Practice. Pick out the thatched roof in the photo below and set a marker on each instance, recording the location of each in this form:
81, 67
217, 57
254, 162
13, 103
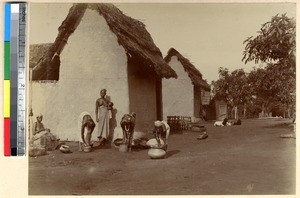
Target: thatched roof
194, 74
36, 52
131, 34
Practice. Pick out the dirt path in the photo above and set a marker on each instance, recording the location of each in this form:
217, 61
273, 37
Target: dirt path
249, 159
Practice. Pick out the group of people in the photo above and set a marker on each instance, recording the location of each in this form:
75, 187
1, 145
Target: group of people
42, 136
103, 114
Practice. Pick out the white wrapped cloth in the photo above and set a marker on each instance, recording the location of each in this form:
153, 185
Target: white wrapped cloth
153, 143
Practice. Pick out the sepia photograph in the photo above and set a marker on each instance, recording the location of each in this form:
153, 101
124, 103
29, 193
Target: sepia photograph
161, 98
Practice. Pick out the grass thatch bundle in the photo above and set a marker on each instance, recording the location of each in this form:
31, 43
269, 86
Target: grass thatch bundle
131, 34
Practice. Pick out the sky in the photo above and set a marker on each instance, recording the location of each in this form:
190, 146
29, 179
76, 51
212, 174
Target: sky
210, 35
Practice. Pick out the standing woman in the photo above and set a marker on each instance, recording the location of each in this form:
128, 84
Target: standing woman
102, 116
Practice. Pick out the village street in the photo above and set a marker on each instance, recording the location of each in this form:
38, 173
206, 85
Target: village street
249, 159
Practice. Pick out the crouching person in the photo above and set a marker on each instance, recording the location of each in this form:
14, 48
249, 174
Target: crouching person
87, 125
161, 131
42, 137
128, 123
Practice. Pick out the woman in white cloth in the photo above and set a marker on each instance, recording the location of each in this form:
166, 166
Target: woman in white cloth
102, 116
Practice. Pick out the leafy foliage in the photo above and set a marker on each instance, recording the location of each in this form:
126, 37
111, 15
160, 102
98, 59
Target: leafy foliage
276, 46
261, 88
276, 41
232, 87
266, 88
273, 84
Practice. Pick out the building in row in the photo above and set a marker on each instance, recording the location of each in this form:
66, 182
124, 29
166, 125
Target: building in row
98, 47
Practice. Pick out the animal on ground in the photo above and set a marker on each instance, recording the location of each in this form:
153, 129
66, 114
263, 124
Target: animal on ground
218, 123
127, 124
225, 122
229, 123
238, 122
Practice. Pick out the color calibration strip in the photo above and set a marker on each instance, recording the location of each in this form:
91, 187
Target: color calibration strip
7, 79
14, 79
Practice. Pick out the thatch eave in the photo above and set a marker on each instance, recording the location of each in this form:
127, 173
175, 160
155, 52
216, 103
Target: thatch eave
194, 74
37, 51
134, 37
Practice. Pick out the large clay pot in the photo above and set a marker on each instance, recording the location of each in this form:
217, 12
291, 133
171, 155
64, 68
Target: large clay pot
155, 153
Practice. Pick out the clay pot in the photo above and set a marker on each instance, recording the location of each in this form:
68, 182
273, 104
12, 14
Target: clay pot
202, 136
118, 141
155, 153
65, 149
87, 149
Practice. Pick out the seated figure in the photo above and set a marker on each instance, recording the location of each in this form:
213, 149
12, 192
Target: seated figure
42, 137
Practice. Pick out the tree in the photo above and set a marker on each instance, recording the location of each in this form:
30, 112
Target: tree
233, 88
276, 46
272, 85
276, 42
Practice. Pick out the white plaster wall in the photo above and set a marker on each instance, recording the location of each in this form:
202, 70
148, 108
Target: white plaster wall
178, 94
91, 60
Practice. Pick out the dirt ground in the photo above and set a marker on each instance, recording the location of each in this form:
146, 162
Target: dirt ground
250, 159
